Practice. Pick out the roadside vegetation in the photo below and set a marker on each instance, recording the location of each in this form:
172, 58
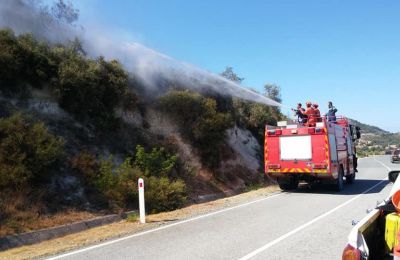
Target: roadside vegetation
91, 163
90, 89
117, 184
200, 122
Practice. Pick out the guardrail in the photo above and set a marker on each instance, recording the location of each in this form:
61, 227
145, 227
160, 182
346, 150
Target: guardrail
34, 237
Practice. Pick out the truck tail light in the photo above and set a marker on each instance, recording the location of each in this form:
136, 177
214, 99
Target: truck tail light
320, 166
351, 253
274, 132
274, 166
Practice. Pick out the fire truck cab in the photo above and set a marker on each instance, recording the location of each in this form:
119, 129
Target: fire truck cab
324, 153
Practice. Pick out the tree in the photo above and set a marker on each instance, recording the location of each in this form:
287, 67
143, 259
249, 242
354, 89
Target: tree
77, 47
64, 12
27, 151
273, 92
232, 76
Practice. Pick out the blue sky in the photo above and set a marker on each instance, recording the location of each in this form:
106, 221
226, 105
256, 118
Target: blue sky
344, 51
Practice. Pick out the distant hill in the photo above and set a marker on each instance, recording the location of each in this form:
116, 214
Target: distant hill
375, 140
368, 128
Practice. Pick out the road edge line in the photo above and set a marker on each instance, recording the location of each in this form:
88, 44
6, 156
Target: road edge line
384, 165
162, 227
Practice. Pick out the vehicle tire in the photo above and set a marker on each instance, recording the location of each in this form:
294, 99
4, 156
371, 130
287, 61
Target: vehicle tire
350, 178
339, 184
288, 184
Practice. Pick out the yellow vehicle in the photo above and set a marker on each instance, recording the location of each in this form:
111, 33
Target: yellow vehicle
377, 235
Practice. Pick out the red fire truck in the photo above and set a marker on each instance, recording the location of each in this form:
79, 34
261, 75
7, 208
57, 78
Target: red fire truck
324, 153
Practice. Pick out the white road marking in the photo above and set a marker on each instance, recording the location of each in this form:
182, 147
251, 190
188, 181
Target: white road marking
163, 227
218, 212
384, 165
294, 231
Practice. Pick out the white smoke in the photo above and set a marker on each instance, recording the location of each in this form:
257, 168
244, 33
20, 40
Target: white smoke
145, 64
31, 16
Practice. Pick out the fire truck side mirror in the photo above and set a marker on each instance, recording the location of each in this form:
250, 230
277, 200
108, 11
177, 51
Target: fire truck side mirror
358, 133
392, 175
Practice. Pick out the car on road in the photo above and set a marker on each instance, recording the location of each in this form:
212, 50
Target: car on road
395, 156
369, 237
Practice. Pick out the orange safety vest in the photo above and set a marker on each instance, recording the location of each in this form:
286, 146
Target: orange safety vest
310, 112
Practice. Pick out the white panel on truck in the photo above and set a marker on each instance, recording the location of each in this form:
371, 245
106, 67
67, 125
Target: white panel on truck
295, 147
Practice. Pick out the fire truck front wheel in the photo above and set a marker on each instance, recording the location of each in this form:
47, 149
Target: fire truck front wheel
350, 178
290, 183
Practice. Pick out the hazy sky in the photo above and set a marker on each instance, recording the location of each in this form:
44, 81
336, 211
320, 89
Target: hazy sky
344, 51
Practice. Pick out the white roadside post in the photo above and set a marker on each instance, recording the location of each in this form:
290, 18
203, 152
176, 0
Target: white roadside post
142, 212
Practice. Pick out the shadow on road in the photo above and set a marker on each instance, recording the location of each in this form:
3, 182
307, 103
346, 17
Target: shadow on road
358, 187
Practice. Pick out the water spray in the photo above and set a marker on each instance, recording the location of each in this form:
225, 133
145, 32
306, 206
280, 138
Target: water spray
144, 63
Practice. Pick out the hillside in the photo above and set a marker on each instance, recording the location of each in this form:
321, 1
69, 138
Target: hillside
76, 132
369, 128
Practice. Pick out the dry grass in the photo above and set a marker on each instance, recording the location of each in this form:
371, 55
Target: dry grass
99, 234
20, 213
33, 222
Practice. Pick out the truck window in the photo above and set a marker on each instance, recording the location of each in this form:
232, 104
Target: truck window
332, 145
295, 147
349, 147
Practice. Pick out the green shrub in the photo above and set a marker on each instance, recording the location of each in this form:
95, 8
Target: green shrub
38, 66
162, 194
118, 183
156, 163
199, 121
25, 62
255, 116
184, 106
11, 61
86, 164
27, 151
92, 89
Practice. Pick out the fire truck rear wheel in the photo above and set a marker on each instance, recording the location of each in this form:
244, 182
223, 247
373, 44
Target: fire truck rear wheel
339, 184
288, 184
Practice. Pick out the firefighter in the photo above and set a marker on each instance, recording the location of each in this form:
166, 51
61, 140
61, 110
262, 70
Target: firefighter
310, 114
299, 112
317, 112
331, 115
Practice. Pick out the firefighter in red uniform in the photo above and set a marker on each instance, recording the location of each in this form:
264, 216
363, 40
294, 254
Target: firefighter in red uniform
317, 112
310, 114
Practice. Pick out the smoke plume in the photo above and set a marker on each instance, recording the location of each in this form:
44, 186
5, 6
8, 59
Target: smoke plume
57, 24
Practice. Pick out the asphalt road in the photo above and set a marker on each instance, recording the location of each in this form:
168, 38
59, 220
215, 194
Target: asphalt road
305, 224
